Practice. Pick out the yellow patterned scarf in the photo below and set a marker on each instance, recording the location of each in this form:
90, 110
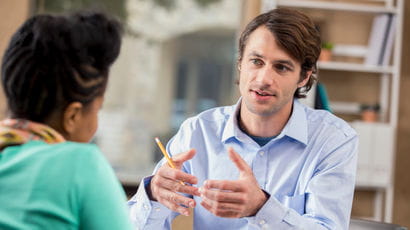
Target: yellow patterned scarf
19, 131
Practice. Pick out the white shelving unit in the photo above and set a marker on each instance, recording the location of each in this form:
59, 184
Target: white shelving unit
354, 67
377, 140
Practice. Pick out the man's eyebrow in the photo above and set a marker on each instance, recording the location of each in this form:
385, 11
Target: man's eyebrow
254, 53
286, 62
281, 61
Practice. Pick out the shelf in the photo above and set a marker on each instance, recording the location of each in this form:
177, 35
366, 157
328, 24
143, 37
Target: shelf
365, 184
376, 151
339, 6
354, 67
345, 107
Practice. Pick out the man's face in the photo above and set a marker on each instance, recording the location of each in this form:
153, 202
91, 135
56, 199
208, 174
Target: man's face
269, 77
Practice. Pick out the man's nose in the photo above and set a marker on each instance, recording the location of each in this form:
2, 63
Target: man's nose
265, 76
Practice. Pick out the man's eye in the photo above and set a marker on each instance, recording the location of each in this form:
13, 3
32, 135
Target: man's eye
282, 68
257, 62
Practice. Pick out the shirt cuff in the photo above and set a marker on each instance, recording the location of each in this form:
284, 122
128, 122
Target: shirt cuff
271, 214
142, 208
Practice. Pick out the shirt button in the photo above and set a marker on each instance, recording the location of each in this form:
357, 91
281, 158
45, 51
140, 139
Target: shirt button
261, 153
146, 207
157, 209
262, 222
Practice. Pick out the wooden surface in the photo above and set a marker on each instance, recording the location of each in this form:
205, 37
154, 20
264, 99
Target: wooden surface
183, 222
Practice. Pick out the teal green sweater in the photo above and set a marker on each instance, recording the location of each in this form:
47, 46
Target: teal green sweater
59, 186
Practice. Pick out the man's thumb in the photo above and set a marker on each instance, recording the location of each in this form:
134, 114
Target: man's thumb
238, 161
180, 158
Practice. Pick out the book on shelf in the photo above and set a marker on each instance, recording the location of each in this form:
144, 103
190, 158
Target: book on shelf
388, 42
381, 40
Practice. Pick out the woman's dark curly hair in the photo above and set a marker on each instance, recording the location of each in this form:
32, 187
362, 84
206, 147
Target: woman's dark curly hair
53, 60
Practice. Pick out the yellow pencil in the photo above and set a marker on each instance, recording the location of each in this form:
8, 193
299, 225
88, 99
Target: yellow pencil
164, 152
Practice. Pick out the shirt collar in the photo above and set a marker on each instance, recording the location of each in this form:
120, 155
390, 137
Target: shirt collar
295, 128
231, 128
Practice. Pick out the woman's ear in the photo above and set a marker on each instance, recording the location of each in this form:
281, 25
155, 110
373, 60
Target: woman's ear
71, 117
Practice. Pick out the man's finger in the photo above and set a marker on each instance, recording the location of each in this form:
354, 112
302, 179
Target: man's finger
177, 175
180, 199
222, 195
238, 161
176, 198
221, 210
187, 189
180, 158
225, 185
175, 186
176, 208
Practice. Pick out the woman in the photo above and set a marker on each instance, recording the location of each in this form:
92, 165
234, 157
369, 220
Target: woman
54, 74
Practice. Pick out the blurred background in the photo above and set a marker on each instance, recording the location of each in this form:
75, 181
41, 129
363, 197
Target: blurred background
179, 58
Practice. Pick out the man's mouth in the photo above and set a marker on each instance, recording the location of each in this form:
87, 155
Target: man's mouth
262, 93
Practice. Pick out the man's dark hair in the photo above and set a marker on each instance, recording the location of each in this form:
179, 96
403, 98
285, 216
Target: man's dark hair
296, 34
54, 60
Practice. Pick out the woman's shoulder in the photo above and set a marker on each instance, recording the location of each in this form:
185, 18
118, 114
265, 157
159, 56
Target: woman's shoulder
75, 146
85, 159
66, 150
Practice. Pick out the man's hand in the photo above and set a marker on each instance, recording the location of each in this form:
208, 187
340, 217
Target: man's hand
165, 185
234, 199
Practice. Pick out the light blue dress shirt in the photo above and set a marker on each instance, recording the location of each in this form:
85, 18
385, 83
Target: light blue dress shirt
308, 170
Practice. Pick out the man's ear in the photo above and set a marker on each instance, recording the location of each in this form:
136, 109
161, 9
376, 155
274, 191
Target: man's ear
306, 79
71, 117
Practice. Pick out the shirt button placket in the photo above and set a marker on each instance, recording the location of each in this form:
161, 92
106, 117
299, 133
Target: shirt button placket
259, 167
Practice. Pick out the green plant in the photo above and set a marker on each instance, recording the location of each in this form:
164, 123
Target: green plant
327, 45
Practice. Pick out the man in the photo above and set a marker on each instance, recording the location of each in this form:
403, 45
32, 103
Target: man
267, 162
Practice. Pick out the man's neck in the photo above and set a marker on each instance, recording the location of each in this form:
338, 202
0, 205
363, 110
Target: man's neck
263, 126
